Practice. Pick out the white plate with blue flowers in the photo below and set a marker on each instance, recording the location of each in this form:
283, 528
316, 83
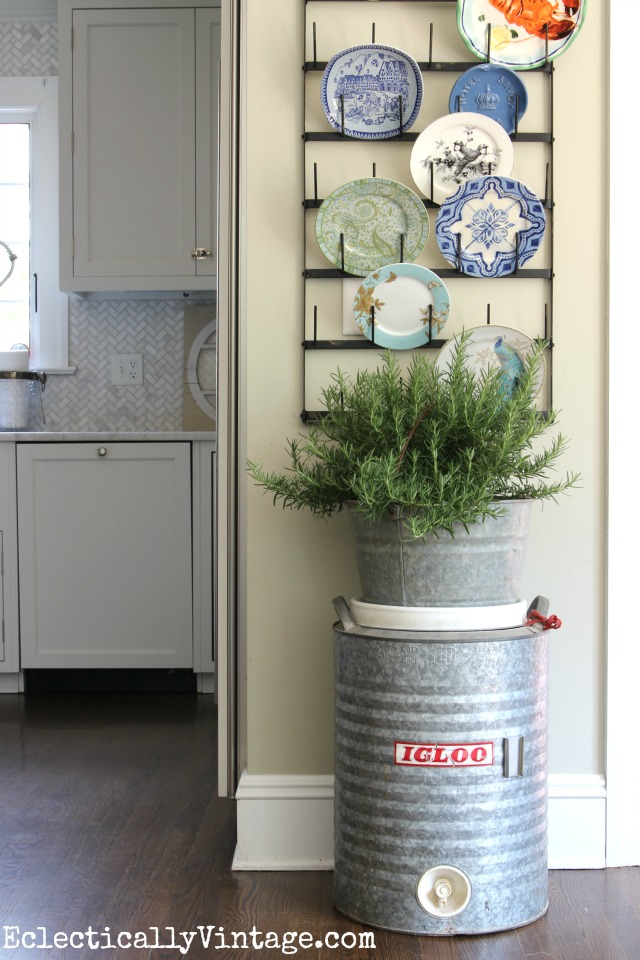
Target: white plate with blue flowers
490, 226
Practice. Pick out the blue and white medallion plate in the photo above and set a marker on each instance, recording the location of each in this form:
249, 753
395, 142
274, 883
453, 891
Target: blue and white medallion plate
371, 222
371, 92
495, 92
488, 224
410, 306
518, 35
456, 148
491, 346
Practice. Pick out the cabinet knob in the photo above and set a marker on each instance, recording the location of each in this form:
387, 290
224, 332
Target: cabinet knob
200, 253
102, 451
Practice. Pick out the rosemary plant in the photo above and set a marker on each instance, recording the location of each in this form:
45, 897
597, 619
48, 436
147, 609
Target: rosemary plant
443, 447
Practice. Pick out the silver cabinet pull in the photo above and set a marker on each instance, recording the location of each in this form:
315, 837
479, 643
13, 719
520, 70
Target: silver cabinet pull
200, 253
102, 451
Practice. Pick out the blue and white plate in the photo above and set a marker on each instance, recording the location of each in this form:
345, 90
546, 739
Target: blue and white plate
410, 306
518, 30
480, 228
371, 92
456, 148
496, 92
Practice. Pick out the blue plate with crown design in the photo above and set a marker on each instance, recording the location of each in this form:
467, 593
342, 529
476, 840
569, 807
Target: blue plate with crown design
496, 92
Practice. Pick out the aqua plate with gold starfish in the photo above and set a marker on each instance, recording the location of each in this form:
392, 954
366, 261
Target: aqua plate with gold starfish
365, 224
401, 306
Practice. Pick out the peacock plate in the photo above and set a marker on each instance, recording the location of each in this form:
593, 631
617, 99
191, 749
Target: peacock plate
369, 223
490, 226
408, 304
490, 346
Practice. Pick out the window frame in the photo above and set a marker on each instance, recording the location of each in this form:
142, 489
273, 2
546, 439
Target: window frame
37, 97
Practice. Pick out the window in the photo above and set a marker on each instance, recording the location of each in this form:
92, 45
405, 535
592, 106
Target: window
15, 231
32, 310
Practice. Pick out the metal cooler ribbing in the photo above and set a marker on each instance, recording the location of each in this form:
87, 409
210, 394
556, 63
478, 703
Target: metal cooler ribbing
440, 777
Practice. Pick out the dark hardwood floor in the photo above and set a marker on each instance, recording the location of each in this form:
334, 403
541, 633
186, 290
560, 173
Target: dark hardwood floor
109, 819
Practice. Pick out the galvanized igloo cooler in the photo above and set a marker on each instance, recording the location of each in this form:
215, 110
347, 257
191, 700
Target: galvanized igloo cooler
440, 777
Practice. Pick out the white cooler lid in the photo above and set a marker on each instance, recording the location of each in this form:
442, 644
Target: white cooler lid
387, 617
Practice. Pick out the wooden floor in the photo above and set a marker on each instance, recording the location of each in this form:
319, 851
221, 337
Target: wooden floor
109, 819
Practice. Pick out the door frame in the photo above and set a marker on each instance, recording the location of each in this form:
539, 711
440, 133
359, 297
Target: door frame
623, 648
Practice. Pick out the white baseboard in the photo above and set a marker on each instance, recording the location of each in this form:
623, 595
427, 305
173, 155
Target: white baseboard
11, 683
577, 818
286, 822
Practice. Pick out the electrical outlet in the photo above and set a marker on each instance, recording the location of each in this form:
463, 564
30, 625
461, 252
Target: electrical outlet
126, 369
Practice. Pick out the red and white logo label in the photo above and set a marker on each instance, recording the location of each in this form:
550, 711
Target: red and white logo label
443, 754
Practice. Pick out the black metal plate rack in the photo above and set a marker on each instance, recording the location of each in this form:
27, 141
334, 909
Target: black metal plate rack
313, 340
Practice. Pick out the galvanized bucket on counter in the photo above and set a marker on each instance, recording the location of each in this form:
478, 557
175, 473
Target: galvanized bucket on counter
440, 777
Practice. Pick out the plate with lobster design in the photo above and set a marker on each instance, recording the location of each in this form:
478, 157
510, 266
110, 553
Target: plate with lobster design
401, 306
457, 148
490, 226
523, 34
491, 347
371, 92
368, 223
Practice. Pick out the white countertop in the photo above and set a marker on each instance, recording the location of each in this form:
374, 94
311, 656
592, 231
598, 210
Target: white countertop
104, 436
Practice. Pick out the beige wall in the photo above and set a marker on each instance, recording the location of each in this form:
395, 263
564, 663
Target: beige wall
294, 564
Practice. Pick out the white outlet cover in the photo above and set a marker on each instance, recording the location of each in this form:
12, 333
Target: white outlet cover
126, 369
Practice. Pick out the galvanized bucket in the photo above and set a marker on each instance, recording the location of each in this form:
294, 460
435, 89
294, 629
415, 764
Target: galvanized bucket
476, 567
440, 777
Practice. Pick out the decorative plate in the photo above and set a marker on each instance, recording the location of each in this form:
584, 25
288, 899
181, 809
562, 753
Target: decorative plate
456, 148
489, 224
495, 92
410, 305
519, 30
381, 221
491, 346
362, 88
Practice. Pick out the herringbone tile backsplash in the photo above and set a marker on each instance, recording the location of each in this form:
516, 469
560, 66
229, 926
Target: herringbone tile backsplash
97, 329
87, 400
28, 49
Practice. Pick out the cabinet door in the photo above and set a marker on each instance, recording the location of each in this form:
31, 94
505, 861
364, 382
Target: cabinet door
105, 555
133, 146
207, 133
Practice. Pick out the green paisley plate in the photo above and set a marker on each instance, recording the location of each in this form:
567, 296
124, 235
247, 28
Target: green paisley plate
366, 224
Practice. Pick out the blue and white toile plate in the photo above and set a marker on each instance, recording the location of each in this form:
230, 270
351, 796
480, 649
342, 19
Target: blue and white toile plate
369, 81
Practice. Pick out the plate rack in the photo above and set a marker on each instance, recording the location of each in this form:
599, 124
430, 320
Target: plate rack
314, 335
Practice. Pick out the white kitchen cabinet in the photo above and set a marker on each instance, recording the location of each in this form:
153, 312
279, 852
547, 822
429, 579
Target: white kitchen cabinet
105, 557
9, 638
138, 145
